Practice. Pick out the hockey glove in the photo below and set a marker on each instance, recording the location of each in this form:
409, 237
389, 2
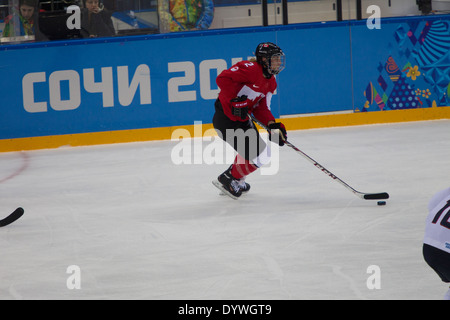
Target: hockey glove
239, 107
277, 129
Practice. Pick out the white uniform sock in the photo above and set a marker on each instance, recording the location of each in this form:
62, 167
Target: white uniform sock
447, 295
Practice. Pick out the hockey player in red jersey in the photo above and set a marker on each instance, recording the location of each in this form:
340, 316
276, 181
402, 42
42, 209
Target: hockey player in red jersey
247, 87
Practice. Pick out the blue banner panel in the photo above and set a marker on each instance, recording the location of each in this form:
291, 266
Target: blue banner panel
124, 83
403, 65
317, 77
102, 86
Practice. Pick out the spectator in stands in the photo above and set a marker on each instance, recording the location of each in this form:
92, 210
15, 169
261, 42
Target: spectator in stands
28, 21
96, 20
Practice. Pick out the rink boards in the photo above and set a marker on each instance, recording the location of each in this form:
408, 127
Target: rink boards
144, 87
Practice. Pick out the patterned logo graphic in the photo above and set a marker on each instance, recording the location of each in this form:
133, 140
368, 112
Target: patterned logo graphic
418, 76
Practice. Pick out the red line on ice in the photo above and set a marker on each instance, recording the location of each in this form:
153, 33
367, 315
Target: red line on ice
25, 164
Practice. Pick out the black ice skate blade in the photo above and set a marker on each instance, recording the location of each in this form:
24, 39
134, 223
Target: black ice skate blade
219, 186
223, 193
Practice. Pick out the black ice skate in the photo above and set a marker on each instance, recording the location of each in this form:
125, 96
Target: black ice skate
228, 185
245, 187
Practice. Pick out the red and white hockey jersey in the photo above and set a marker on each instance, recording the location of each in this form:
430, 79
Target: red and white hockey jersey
437, 232
246, 78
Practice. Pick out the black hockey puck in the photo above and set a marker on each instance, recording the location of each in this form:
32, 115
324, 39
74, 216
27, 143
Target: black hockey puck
381, 203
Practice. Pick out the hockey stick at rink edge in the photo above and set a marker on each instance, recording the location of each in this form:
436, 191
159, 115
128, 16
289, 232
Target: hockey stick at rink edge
16, 214
365, 196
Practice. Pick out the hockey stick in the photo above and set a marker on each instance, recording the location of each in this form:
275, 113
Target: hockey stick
12, 217
365, 196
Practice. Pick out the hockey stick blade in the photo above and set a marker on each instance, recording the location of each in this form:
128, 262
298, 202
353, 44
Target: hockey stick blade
12, 217
376, 196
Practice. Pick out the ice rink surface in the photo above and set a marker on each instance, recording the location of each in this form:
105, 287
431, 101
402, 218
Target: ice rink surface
140, 226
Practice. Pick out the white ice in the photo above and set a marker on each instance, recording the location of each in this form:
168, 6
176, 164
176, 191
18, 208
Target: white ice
139, 226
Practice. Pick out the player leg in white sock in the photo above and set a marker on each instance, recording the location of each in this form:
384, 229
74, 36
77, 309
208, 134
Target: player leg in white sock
447, 295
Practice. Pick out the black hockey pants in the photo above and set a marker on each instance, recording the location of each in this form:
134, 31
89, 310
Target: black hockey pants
438, 260
242, 136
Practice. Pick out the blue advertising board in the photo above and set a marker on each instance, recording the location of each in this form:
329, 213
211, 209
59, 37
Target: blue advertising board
154, 81
403, 65
102, 86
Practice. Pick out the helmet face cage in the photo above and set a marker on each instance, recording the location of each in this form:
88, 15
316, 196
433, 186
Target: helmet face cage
274, 59
276, 63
